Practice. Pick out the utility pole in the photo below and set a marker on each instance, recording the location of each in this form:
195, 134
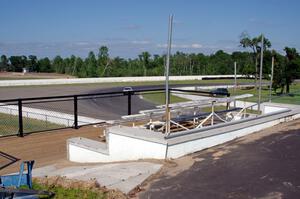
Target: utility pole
260, 71
271, 80
168, 124
235, 82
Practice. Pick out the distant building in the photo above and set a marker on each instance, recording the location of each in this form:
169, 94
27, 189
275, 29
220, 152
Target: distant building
25, 70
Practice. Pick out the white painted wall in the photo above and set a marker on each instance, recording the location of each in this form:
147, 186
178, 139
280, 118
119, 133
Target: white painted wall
120, 148
182, 149
83, 155
106, 80
127, 148
46, 115
271, 109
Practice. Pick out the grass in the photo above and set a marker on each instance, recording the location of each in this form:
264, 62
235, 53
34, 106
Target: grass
287, 99
9, 125
293, 98
70, 193
18, 78
159, 98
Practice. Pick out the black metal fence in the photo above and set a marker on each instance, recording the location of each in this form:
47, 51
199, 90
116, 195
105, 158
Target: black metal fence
28, 115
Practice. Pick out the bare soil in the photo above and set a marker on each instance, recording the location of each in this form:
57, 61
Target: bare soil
20, 75
45, 148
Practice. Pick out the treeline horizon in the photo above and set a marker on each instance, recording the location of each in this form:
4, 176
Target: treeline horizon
100, 64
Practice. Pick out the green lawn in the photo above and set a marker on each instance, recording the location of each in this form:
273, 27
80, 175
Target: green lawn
159, 98
294, 98
288, 99
9, 125
71, 193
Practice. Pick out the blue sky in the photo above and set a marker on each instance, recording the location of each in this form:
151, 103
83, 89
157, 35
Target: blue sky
128, 27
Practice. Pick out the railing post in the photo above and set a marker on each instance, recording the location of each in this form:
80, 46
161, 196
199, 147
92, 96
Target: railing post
75, 113
129, 102
228, 103
20, 133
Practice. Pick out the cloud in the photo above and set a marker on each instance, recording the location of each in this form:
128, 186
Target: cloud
131, 27
181, 46
140, 42
178, 22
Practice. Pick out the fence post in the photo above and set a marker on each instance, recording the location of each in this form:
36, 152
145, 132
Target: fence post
20, 133
75, 113
129, 102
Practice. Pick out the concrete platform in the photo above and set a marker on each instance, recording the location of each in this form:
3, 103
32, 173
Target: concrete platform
146, 144
122, 176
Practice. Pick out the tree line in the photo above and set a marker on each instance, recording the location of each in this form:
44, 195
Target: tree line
100, 64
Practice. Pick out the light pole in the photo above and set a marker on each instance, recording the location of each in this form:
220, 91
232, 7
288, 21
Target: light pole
271, 80
260, 71
167, 131
235, 82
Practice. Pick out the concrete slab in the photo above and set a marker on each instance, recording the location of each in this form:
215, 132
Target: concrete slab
122, 176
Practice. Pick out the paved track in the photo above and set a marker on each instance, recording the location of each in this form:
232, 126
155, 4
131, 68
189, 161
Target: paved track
101, 108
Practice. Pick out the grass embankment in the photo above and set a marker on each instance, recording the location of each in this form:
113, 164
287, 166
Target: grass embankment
70, 193
9, 124
293, 98
159, 98
74, 189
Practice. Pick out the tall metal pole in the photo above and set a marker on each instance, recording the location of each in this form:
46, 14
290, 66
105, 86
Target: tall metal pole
235, 82
260, 71
271, 80
167, 75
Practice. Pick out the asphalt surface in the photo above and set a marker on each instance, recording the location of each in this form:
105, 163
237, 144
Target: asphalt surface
267, 168
108, 108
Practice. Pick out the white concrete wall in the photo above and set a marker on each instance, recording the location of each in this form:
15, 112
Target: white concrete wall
123, 147
182, 149
46, 115
271, 109
127, 148
4, 83
120, 148
83, 155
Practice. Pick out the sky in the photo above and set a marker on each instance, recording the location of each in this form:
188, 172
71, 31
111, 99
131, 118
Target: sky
128, 27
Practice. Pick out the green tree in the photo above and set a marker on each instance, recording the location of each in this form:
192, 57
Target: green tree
17, 63
278, 77
292, 67
32, 63
44, 65
144, 58
3, 63
58, 64
91, 63
79, 69
255, 45
103, 61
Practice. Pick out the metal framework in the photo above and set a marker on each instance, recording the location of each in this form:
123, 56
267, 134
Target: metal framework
191, 107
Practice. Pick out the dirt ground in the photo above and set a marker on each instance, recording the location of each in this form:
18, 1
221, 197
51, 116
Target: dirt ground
45, 148
19, 75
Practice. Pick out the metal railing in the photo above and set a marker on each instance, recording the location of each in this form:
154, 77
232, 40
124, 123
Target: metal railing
37, 114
